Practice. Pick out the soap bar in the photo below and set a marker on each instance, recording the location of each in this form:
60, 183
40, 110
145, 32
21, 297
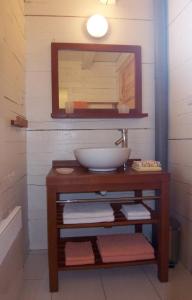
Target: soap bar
64, 171
147, 169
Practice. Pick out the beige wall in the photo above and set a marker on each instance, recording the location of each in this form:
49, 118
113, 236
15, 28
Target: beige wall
180, 120
12, 140
131, 22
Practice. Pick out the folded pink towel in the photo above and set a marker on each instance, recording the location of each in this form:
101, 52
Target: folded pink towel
107, 259
74, 262
79, 253
123, 245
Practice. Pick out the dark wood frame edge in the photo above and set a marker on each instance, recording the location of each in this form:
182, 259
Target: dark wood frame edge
58, 113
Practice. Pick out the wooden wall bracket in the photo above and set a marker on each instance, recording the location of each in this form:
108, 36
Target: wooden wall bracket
19, 122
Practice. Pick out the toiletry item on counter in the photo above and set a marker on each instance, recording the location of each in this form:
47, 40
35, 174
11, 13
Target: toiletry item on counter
124, 247
69, 107
79, 253
123, 108
75, 213
147, 165
64, 171
103, 193
80, 104
135, 212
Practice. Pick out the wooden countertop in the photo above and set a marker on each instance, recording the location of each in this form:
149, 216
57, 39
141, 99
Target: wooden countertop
82, 179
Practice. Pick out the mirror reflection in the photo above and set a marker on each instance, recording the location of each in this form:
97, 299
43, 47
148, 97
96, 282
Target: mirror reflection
96, 80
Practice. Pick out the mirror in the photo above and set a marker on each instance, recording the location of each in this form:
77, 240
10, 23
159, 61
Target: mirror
96, 81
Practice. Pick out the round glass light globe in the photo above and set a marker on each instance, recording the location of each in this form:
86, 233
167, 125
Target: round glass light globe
97, 26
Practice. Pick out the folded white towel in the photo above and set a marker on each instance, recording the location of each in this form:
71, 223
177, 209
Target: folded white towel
135, 210
88, 220
87, 210
137, 217
134, 215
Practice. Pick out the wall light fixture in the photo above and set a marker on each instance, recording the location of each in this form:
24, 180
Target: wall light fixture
97, 26
108, 1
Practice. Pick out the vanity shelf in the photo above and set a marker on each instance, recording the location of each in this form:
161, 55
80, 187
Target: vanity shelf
83, 181
120, 220
98, 260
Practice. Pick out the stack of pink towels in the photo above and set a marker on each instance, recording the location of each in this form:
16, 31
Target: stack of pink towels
79, 253
124, 247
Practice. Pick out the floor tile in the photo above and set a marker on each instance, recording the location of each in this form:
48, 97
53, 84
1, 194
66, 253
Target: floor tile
135, 283
127, 283
179, 286
36, 266
36, 290
82, 285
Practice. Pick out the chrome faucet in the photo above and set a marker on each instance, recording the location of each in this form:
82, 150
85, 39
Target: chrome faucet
123, 140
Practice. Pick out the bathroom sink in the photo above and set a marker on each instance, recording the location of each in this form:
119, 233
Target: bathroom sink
102, 159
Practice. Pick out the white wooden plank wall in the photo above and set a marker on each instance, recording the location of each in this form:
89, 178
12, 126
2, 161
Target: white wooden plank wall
13, 179
180, 116
131, 22
12, 140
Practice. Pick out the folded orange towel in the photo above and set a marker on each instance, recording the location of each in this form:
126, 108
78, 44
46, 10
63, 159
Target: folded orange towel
124, 245
125, 258
79, 253
74, 262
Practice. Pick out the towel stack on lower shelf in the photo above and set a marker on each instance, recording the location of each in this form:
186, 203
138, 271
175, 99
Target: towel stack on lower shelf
146, 165
79, 253
135, 212
81, 213
124, 247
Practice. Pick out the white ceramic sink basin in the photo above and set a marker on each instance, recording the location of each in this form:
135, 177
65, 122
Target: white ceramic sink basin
102, 159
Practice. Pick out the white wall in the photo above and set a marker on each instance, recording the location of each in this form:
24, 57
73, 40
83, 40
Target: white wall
180, 119
13, 189
131, 22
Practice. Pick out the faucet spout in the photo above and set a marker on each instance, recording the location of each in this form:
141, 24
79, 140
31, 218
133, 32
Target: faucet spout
123, 140
119, 141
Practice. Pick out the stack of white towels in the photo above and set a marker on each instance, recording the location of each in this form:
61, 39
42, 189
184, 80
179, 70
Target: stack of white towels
135, 212
75, 213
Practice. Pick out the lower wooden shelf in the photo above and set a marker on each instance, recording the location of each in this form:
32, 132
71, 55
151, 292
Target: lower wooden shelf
98, 260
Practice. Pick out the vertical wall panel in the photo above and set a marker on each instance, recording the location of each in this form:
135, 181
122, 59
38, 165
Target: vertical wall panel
13, 187
180, 120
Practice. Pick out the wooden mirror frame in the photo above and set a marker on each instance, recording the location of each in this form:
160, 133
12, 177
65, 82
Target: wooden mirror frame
96, 113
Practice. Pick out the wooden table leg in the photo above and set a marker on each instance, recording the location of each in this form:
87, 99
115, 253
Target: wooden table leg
163, 233
138, 227
155, 226
52, 239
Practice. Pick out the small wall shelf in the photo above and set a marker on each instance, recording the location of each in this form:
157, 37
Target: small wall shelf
19, 122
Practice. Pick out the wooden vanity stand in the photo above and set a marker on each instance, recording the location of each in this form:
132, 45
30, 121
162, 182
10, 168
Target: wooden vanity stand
81, 180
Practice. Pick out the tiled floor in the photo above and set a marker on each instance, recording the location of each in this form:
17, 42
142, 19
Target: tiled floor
134, 283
